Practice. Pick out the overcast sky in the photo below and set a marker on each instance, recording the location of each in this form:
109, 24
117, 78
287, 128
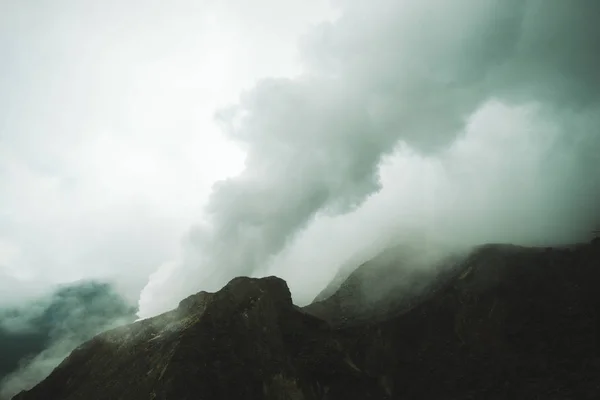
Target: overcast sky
338, 125
108, 147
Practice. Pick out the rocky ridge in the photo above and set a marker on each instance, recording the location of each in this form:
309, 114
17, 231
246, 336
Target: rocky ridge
504, 322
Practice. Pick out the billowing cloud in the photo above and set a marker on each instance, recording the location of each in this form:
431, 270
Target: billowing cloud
453, 82
108, 148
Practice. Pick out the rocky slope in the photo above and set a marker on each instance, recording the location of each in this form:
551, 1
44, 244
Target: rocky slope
504, 322
509, 322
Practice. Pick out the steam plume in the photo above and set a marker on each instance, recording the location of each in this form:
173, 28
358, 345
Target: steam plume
436, 78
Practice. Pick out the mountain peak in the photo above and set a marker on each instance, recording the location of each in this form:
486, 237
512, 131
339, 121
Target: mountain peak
246, 341
501, 322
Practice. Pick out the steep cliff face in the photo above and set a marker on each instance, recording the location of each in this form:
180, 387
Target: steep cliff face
504, 322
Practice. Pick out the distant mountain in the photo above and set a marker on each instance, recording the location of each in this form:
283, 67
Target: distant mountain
503, 322
36, 336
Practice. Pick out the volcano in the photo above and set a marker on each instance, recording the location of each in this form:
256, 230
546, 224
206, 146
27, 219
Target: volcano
500, 322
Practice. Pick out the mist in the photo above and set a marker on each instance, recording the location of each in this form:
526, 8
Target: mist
108, 148
37, 335
437, 124
450, 124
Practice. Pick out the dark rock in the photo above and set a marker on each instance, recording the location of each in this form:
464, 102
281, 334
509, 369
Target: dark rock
247, 341
511, 322
506, 322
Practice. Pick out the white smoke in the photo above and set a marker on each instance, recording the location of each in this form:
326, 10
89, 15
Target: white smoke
494, 101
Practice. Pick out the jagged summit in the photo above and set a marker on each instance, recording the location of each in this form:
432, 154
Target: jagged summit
502, 322
246, 341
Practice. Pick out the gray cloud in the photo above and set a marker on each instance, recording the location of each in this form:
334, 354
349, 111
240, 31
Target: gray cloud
413, 72
108, 149
509, 178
